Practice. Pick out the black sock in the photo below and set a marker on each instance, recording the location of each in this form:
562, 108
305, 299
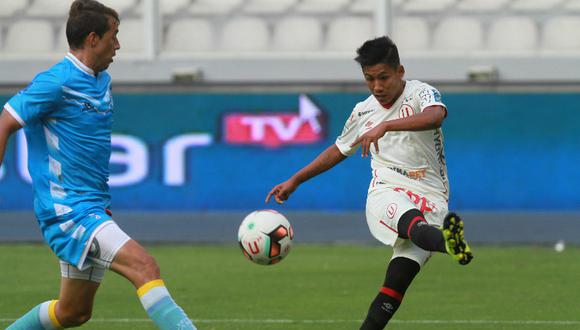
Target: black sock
413, 226
400, 273
382, 309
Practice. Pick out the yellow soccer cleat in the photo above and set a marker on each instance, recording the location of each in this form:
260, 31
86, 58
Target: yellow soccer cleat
455, 243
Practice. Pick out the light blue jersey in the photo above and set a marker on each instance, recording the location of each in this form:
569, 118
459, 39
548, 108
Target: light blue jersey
67, 113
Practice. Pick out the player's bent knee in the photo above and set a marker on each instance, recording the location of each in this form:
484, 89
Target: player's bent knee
143, 269
150, 268
76, 318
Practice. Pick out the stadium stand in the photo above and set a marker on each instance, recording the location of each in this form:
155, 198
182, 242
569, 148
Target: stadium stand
199, 32
171, 7
572, 5
245, 34
297, 34
345, 33
50, 8
9, 8
362, 6
27, 38
424, 6
534, 5
320, 6
131, 36
411, 34
513, 33
561, 33
267, 6
478, 6
458, 34
213, 7
277, 30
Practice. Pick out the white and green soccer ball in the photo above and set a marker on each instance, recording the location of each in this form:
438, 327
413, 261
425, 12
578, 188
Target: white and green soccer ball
265, 237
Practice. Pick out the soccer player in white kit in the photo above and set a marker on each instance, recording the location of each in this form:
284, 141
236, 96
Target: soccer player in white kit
399, 126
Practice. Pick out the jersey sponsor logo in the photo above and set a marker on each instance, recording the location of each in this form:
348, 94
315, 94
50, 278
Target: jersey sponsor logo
391, 210
422, 203
304, 127
405, 111
411, 174
87, 102
362, 113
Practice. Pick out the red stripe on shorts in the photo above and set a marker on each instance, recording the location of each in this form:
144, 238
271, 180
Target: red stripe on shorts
385, 224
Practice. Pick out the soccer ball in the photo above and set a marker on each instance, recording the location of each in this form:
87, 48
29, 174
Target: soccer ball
265, 237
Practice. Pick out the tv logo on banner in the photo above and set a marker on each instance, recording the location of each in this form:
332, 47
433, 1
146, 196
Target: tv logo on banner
275, 129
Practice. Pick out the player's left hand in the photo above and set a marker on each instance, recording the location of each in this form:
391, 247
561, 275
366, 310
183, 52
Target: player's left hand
369, 138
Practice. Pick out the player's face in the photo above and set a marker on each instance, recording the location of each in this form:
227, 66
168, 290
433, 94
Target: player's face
384, 82
107, 45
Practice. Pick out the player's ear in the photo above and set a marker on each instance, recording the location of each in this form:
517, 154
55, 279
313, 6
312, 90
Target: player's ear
401, 71
92, 39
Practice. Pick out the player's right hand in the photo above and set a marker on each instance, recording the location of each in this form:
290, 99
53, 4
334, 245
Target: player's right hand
282, 191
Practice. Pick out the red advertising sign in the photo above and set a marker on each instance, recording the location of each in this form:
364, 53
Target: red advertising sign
275, 129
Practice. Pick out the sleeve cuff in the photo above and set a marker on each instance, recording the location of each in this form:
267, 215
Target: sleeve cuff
14, 114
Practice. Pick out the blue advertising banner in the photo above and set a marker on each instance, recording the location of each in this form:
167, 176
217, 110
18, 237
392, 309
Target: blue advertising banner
200, 152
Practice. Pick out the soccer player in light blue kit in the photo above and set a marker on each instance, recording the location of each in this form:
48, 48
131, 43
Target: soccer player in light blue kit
66, 113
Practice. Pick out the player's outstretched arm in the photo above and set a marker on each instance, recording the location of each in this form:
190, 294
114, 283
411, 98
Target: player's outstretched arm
325, 161
8, 125
432, 117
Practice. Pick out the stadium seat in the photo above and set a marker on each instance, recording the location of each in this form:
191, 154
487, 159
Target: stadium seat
534, 5
213, 7
245, 34
29, 37
348, 33
410, 34
131, 36
572, 6
120, 6
169, 7
363, 6
416, 6
297, 34
458, 34
320, 6
481, 6
561, 34
513, 33
49, 8
189, 36
267, 6
9, 8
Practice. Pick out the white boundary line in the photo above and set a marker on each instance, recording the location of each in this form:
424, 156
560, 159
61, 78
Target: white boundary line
288, 321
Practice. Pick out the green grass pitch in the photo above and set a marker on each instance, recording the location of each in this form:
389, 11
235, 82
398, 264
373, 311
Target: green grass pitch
320, 287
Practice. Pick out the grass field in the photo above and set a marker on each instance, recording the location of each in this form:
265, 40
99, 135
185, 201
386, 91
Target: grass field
320, 287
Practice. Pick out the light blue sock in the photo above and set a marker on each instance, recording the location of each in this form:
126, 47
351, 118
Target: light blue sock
41, 317
161, 308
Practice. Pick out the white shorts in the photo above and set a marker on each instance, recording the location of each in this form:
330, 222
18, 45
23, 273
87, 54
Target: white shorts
108, 240
385, 206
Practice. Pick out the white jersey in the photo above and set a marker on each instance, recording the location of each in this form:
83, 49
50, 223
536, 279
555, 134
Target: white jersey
407, 159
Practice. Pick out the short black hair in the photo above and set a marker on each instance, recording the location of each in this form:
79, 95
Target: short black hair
379, 50
86, 16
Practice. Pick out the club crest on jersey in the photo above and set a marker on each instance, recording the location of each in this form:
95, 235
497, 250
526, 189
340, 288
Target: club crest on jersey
405, 111
369, 124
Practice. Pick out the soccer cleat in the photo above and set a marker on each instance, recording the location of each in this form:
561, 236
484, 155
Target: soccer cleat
455, 243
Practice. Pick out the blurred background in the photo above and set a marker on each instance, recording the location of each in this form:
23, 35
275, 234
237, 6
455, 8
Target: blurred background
218, 100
